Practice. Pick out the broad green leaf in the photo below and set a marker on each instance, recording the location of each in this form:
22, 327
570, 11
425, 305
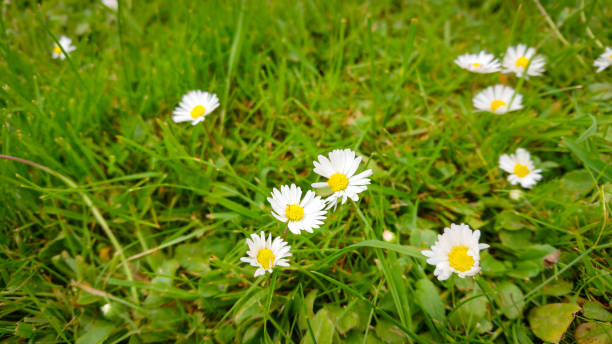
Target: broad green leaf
309, 305
549, 322
536, 252
491, 266
96, 331
593, 333
594, 310
344, 319
526, 269
471, 312
577, 182
510, 300
509, 220
558, 288
322, 328
355, 337
390, 333
427, 297
516, 240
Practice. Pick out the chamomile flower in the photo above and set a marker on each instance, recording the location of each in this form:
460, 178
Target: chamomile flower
112, 4
604, 60
388, 236
523, 60
65, 43
457, 250
340, 170
478, 63
265, 254
521, 168
300, 214
498, 99
195, 106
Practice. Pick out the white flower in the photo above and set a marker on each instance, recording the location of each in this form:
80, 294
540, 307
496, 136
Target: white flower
194, 107
515, 195
498, 99
65, 43
301, 214
112, 4
340, 168
478, 63
521, 168
388, 235
457, 250
604, 60
265, 254
519, 58
106, 308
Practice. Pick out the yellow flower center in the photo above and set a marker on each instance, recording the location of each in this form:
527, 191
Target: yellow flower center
521, 170
459, 259
496, 104
522, 62
337, 182
57, 49
198, 111
265, 257
294, 212
610, 56
476, 64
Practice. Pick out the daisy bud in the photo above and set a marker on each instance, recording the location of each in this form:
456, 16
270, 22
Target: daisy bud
388, 236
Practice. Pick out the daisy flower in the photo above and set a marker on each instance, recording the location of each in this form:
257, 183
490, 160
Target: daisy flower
498, 99
194, 107
604, 60
457, 250
112, 4
300, 214
521, 59
478, 63
521, 168
65, 43
340, 170
388, 236
265, 254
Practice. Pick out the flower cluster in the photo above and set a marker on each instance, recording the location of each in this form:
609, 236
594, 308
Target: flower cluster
519, 60
457, 250
500, 99
307, 213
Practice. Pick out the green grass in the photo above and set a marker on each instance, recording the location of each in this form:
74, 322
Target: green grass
149, 216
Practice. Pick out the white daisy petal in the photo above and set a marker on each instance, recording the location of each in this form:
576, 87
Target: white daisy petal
340, 170
523, 61
300, 214
498, 99
195, 106
479, 63
604, 60
66, 44
265, 254
521, 168
456, 250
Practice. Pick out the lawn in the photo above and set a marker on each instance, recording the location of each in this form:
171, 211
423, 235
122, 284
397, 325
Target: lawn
119, 225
